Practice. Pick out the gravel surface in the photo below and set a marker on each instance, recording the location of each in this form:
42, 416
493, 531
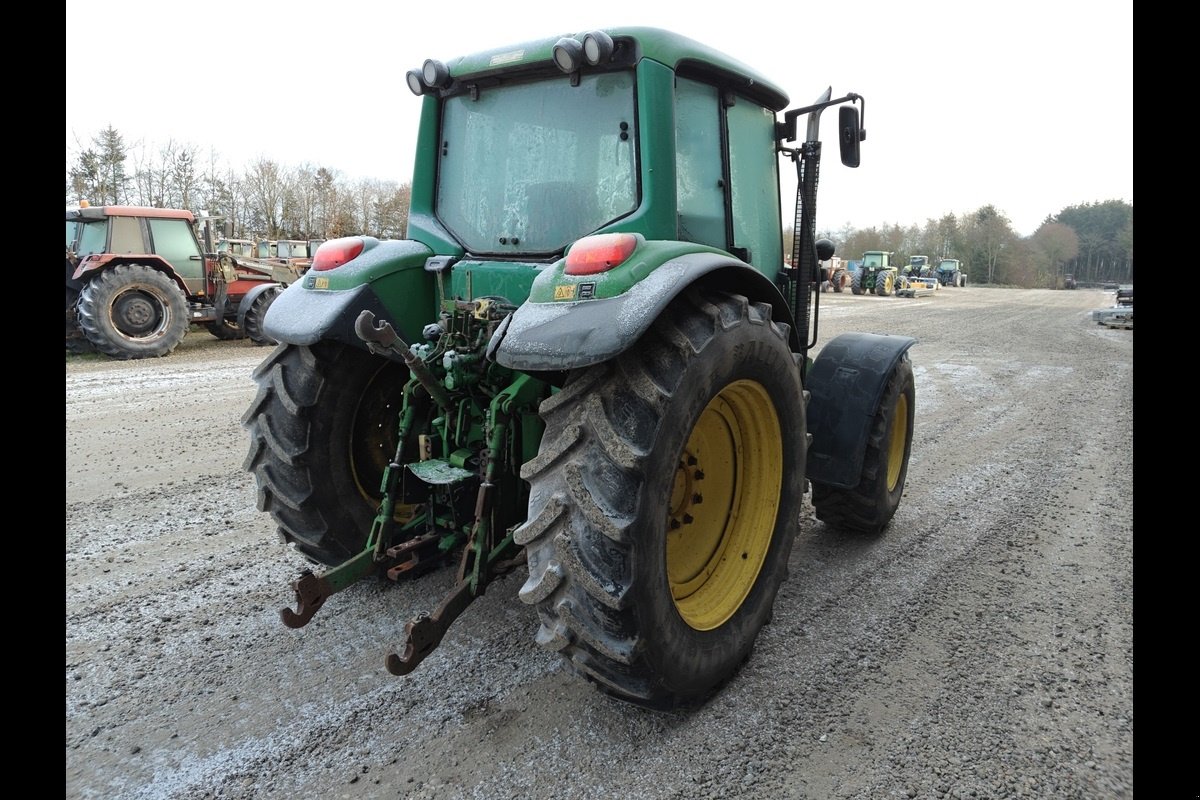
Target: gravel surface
982, 647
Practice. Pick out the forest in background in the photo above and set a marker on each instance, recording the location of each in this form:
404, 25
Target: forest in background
1092, 240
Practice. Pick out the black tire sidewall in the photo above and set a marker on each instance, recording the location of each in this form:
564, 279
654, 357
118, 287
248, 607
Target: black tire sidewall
102, 291
691, 662
312, 491
336, 487
253, 321
904, 385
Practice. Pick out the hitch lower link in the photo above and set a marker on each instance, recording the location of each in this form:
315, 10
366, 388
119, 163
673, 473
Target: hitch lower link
416, 554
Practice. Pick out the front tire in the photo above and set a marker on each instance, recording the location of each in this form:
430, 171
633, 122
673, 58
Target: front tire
133, 311
870, 506
664, 502
839, 280
885, 284
856, 280
323, 427
226, 330
253, 321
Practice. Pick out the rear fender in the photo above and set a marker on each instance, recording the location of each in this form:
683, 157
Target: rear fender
387, 278
90, 266
249, 297
551, 336
847, 381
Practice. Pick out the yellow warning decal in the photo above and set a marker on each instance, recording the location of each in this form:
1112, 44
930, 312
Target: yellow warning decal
321, 283
564, 292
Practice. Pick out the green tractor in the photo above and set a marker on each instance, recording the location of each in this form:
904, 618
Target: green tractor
951, 272
918, 267
875, 275
587, 362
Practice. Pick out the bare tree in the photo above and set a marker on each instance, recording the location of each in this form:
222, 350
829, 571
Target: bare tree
947, 237
988, 233
181, 174
264, 187
391, 209
363, 199
305, 193
1056, 243
326, 199
99, 175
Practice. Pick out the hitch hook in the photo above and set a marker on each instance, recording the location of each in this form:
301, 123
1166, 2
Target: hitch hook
424, 633
311, 594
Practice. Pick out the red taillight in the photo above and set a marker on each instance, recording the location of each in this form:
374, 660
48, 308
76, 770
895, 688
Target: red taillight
336, 252
600, 253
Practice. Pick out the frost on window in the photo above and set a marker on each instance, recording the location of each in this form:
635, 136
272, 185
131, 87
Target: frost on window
530, 168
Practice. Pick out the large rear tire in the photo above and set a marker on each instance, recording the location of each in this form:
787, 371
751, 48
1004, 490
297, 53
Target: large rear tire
856, 282
664, 502
77, 343
870, 506
322, 429
133, 311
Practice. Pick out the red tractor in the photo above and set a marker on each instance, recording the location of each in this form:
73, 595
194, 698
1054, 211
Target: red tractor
137, 278
834, 275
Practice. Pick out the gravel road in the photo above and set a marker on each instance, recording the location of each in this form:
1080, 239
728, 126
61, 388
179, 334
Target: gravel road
982, 647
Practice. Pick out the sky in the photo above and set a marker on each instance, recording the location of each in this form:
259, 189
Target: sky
1023, 105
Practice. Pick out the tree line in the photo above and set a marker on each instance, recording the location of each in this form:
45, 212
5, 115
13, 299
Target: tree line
266, 200
1092, 241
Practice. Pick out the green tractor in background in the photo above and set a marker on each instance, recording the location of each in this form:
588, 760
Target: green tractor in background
951, 272
585, 363
875, 275
918, 267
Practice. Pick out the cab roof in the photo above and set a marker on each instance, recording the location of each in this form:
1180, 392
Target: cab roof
100, 212
673, 50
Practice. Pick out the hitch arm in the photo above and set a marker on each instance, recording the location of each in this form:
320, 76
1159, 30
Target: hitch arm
312, 591
382, 339
424, 634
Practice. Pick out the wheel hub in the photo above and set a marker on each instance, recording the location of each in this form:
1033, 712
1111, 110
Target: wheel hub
723, 505
136, 314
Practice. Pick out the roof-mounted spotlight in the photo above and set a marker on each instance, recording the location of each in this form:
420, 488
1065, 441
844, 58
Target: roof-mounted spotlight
597, 47
435, 74
568, 54
413, 78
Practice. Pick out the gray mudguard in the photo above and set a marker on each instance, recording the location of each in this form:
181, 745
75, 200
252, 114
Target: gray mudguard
569, 335
325, 304
248, 300
847, 381
304, 317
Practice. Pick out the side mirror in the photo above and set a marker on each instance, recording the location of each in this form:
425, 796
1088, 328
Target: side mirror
849, 135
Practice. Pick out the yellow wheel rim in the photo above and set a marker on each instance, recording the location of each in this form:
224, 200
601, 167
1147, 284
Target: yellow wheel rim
895, 445
724, 502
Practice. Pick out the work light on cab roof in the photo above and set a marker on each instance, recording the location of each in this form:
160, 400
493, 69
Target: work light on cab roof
568, 53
